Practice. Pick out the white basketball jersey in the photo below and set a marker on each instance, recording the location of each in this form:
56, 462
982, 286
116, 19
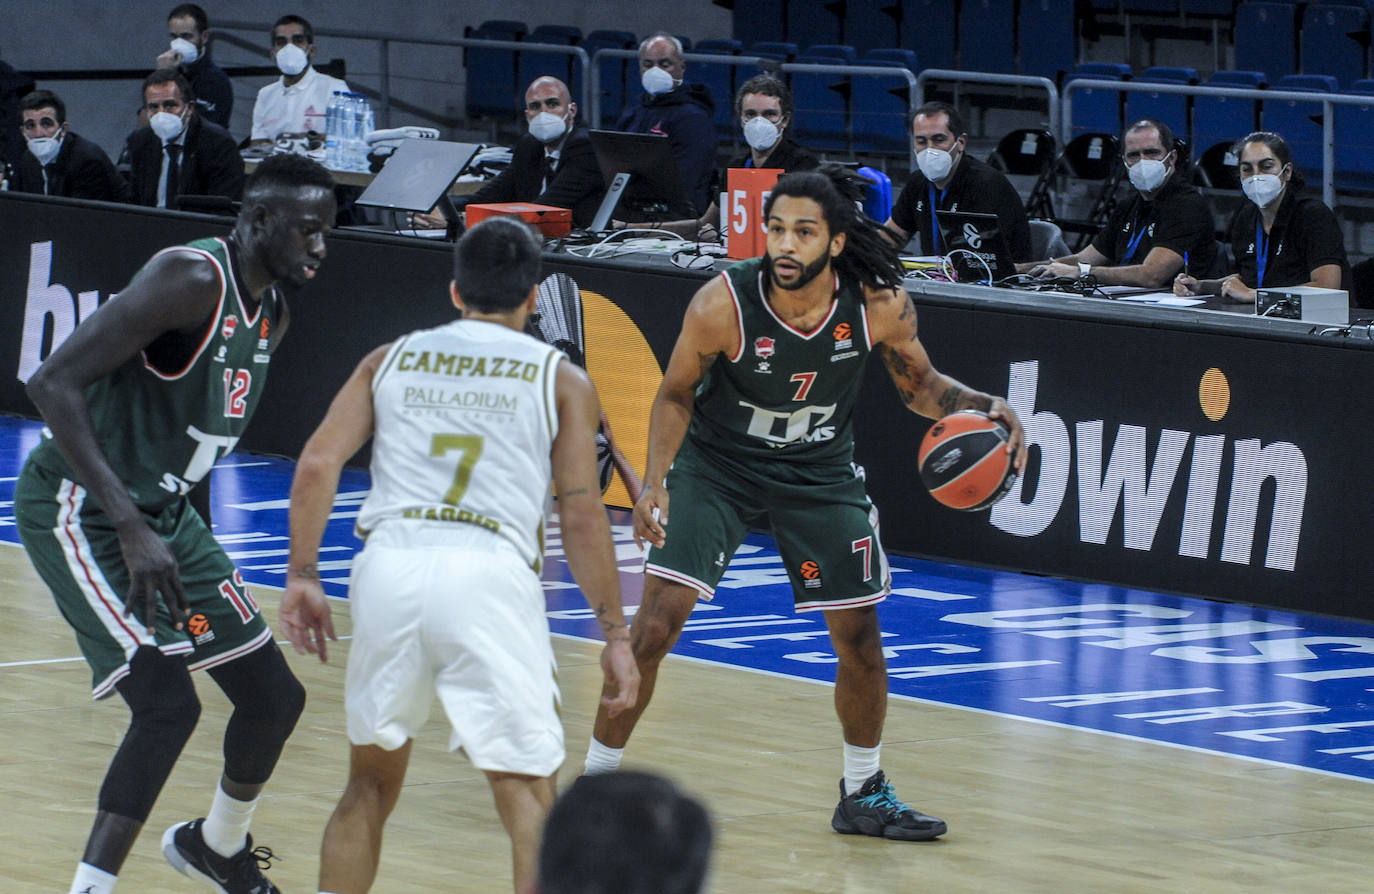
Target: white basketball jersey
465, 420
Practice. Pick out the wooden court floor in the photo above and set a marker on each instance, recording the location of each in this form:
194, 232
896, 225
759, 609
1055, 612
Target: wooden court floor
1031, 808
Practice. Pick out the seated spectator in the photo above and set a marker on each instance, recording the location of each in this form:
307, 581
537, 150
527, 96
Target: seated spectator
189, 29
61, 162
682, 111
178, 153
1281, 237
624, 833
764, 107
296, 102
1165, 227
949, 179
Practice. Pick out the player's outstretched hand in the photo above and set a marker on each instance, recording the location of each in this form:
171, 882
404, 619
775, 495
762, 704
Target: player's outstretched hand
1017, 443
621, 689
306, 618
152, 571
651, 515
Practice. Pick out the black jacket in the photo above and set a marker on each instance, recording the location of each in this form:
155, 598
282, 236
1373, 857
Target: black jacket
210, 163
686, 114
81, 170
577, 183
213, 89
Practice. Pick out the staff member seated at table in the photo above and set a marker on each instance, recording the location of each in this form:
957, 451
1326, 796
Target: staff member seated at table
949, 179
178, 152
59, 161
1282, 238
764, 107
1165, 229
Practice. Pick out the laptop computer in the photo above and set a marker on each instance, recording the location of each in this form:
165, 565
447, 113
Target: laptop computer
417, 177
979, 234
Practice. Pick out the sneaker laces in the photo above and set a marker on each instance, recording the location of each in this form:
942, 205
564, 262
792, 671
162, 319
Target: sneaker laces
249, 864
884, 798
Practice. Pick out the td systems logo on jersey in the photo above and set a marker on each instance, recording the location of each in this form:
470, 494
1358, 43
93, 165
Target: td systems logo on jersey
1143, 487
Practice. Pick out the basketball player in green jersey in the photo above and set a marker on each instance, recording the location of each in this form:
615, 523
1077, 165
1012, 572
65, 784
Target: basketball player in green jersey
140, 401
754, 416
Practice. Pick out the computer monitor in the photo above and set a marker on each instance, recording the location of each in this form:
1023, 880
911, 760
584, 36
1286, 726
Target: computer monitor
643, 181
417, 175
983, 236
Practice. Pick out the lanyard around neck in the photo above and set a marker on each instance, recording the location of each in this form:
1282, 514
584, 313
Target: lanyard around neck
1137, 233
935, 221
1261, 250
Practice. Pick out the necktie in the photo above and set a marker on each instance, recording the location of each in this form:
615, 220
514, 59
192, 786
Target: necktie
549, 164
173, 151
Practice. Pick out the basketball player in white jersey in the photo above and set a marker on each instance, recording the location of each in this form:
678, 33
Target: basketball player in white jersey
469, 422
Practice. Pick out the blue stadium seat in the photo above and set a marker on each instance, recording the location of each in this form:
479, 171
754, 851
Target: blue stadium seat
871, 24
837, 51
1224, 119
492, 86
1266, 38
813, 21
1334, 41
721, 79
1222, 9
1300, 122
1048, 34
774, 49
1097, 111
822, 106
987, 32
611, 73
534, 65
1354, 153
1171, 108
925, 29
1156, 7
878, 197
755, 20
881, 105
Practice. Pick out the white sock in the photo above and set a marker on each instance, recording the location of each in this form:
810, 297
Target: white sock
225, 828
602, 759
90, 880
859, 765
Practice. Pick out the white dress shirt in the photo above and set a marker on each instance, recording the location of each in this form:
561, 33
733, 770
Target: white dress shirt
295, 109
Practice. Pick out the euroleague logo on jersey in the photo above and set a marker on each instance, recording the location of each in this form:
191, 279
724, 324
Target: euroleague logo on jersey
810, 574
199, 627
844, 336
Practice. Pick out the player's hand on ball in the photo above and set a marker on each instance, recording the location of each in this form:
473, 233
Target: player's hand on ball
1017, 443
651, 516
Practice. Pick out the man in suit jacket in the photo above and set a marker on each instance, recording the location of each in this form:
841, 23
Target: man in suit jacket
59, 162
178, 152
552, 164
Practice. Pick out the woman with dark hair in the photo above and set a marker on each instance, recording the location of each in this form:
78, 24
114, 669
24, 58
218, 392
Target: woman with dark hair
1281, 237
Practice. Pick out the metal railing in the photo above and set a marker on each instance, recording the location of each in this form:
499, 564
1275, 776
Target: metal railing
385, 40
1328, 103
979, 77
764, 63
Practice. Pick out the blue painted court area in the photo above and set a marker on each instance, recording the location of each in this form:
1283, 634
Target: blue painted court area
1269, 685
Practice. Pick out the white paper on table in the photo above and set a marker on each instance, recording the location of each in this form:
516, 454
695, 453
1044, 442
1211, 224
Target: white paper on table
1168, 299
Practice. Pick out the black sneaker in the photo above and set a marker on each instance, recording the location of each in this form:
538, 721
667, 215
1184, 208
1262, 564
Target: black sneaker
185, 848
875, 810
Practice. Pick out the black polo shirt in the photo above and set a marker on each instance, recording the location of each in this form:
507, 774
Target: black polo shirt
786, 155
1177, 218
1305, 236
974, 187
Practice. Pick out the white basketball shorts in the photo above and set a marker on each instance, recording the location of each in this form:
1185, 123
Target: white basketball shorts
459, 614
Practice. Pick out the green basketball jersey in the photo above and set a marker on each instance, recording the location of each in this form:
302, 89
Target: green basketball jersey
786, 394
163, 429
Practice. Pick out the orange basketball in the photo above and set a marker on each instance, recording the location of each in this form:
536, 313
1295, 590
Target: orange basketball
964, 461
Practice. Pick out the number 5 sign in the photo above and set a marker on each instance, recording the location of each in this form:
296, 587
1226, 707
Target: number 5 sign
746, 191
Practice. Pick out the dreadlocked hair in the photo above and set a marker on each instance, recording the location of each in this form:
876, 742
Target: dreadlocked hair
867, 256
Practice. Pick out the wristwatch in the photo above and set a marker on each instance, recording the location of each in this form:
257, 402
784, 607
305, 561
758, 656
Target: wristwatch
1084, 269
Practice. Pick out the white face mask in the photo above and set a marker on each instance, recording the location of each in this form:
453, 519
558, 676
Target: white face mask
547, 127
291, 60
760, 133
656, 81
934, 163
45, 149
189, 51
1262, 188
1147, 175
166, 125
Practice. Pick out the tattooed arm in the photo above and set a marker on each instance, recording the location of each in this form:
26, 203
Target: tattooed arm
924, 389
709, 330
587, 533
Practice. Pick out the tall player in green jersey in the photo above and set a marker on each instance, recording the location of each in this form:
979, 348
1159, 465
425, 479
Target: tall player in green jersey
754, 416
140, 401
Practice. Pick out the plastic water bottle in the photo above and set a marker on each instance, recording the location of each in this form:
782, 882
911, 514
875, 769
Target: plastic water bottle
367, 123
349, 134
333, 131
